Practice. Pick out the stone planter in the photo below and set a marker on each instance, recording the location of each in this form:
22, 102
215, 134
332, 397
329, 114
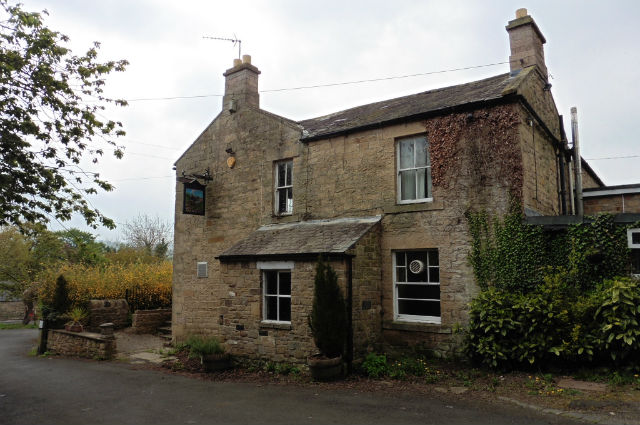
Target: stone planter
73, 327
216, 362
324, 369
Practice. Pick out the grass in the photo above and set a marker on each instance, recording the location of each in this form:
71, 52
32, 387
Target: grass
17, 326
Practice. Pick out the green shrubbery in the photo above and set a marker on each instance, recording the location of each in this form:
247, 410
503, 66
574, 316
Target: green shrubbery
551, 298
378, 366
555, 324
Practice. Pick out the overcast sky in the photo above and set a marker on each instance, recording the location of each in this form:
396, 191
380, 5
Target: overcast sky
591, 54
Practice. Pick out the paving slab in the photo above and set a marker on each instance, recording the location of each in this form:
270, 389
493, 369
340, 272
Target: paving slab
574, 384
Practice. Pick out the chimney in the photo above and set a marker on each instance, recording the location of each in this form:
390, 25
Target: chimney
526, 42
241, 85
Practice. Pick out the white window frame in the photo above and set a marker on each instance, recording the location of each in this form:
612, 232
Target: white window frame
634, 247
427, 167
278, 188
264, 272
413, 318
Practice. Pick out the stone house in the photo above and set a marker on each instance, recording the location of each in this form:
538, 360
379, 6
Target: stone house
379, 190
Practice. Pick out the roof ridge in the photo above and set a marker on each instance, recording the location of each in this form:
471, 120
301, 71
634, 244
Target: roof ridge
499, 76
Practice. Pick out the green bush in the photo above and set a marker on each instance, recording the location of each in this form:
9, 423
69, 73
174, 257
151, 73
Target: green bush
555, 324
328, 319
200, 346
375, 365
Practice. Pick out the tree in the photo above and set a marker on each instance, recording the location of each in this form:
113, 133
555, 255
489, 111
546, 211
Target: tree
50, 122
328, 319
149, 233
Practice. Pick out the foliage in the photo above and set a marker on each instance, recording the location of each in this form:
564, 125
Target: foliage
77, 314
80, 247
49, 122
598, 251
328, 319
111, 281
14, 257
60, 302
556, 324
375, 365
281, 368
200, 346
151, 234
509, 254
617, 319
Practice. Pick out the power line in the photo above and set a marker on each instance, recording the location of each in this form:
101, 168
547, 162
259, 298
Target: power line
141, 178
344, 83
613, 157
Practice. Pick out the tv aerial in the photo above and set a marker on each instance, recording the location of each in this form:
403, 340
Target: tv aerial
234, 40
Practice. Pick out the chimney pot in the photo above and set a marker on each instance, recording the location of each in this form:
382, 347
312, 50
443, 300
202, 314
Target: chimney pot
521, 13
237, 62
246, 58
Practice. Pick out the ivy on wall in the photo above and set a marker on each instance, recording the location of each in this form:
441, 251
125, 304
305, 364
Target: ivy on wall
507, 253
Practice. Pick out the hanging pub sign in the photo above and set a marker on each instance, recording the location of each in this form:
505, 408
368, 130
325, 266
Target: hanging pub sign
194, 196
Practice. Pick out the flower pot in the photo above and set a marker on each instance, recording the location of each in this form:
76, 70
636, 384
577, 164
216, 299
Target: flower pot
73, 327
216, 362
325, 369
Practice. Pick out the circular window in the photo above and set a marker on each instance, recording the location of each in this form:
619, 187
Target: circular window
416, 266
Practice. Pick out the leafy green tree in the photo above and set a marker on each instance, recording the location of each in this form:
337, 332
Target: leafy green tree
50, 122
81, 247
14, 256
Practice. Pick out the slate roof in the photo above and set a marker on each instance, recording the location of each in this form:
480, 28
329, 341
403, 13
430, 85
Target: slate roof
302, 238
407, 106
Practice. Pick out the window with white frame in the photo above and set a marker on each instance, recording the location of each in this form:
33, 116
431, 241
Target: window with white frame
414, 170
276, 306
416, 276
284, 187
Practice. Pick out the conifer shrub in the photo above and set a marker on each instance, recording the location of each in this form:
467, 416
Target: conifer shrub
328, 319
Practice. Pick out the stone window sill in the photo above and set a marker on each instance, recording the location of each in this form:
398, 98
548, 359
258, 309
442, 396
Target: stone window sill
269, 325
417, 327
407, 208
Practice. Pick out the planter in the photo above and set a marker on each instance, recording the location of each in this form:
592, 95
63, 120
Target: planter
73, 327
324, 369
217, 362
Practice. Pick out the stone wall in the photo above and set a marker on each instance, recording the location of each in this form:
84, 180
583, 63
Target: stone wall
240, 322
11, 310
84, 344
148, 321
350, 175
108, 311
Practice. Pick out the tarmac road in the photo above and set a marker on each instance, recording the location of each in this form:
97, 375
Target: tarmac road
38, 390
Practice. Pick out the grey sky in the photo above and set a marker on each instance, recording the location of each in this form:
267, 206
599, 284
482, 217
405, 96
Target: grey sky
591, 53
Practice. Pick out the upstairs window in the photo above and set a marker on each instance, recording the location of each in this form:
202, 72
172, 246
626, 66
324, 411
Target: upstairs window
414, 170
284, 187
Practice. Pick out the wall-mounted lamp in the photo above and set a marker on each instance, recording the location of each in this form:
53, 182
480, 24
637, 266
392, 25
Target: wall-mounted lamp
231, 161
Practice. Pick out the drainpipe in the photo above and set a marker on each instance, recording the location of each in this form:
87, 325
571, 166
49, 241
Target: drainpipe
578, 159
561, 165
349, 314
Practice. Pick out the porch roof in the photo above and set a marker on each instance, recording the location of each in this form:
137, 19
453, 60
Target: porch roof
305, 238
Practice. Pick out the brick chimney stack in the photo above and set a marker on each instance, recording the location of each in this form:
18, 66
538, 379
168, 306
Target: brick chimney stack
241, 85
526, 42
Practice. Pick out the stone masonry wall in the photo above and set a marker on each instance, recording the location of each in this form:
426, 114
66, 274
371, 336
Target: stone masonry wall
11, 310
238, 201
614, 204
241, 326
367, 287
148, 321
345, 176
108, 311
85, 344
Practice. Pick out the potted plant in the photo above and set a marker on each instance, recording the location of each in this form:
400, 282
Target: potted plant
76, 315
210, 351
328, 323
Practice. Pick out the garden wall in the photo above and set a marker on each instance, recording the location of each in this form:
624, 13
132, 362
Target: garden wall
148, 321
11, 310
108, 311
85, 344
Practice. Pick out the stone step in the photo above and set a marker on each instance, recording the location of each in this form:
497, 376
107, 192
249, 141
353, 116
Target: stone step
166, 337
165, 330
